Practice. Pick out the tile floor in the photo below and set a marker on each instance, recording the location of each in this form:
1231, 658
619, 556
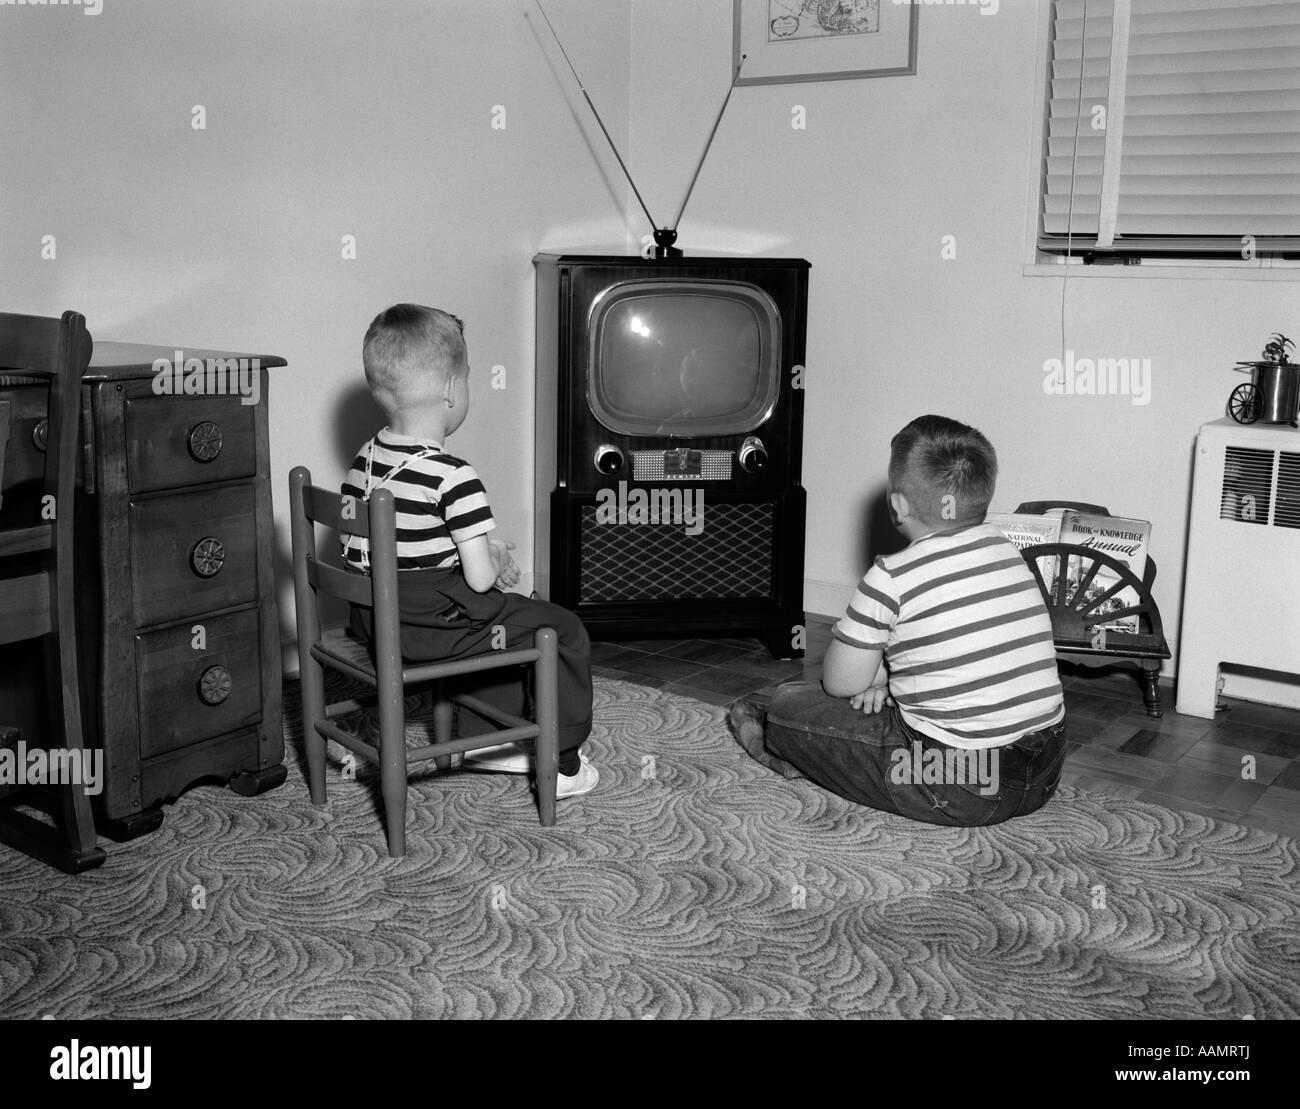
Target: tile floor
1182, 762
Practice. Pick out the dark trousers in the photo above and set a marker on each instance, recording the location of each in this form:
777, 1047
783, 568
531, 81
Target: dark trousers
878, 761
443, 619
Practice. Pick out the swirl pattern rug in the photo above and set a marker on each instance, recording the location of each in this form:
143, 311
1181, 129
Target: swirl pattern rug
691, 883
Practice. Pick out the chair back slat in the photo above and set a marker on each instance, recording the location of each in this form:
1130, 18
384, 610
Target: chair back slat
29, 344
346, 585
330, 510
25, 604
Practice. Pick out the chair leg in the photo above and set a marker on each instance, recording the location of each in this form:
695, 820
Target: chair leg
312, 689
548, 751
443, 708
393, 766
78, 822
1151, 689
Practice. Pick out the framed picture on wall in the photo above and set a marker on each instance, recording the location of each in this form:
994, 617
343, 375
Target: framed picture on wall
823, 40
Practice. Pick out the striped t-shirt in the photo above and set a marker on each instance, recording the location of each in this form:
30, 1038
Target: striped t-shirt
440, 501
966, 635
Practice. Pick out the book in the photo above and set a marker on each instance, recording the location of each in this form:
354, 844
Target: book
1124, 539
1026, 529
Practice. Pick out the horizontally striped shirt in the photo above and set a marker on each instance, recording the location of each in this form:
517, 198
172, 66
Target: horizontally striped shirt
440, 501
966, 635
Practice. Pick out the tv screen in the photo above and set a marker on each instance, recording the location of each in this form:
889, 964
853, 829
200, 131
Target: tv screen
683, 357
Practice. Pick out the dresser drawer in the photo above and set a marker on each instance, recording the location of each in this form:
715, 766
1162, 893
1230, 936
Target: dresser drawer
187, 695
193, 552
174, 441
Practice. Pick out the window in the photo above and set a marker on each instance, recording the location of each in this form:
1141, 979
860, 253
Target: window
1172, 130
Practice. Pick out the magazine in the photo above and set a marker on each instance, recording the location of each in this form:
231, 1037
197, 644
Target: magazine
1118, 536
1026, 529
1126, 541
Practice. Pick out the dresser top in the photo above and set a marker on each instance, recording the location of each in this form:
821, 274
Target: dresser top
126, 361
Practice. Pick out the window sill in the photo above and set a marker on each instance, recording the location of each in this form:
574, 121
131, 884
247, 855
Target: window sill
1185, 271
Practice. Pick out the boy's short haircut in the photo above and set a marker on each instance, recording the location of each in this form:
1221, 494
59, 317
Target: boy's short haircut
408, 352
946, 471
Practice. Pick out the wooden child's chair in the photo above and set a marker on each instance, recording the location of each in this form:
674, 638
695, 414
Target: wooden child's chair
385, 673
36, 569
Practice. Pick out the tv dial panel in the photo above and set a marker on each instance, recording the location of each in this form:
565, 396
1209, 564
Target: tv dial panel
682, 463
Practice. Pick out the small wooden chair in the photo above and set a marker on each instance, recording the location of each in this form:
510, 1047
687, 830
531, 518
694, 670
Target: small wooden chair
37, 580
1073, 624
384, 671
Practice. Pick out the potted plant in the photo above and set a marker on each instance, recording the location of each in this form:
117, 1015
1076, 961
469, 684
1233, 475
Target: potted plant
1273, 393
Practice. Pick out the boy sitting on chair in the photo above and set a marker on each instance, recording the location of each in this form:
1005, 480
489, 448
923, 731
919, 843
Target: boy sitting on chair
451, 574
974, 731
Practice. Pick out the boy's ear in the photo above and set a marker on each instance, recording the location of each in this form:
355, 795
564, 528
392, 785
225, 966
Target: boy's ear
449, 390
899, 507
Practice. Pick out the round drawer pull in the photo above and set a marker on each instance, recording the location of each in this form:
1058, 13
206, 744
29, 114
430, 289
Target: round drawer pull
214, 685
205, 441
41, 435
208, 556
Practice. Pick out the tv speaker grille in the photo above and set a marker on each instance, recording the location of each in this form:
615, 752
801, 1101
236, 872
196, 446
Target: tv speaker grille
731, 557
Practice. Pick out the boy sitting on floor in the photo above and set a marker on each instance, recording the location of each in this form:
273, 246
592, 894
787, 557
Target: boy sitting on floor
450, 572
975, 728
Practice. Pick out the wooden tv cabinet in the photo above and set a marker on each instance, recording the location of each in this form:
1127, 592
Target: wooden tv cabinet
177, 625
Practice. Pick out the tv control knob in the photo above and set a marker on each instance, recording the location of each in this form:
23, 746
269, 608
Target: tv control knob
608, 459
753, 455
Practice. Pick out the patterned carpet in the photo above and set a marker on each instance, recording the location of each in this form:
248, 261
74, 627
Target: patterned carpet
691, 883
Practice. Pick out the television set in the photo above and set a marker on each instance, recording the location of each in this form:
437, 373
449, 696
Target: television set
669, 444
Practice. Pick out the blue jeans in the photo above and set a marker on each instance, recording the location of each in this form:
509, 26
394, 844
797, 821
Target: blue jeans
877, 760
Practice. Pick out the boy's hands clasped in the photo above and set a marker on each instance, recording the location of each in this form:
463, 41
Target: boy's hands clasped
507, 571
875, 696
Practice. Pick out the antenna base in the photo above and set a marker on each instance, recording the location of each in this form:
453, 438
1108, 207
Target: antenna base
664, 238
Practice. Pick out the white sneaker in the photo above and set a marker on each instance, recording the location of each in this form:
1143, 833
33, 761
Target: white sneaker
504, 758
575, 785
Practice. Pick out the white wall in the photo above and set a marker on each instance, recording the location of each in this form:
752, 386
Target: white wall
884, 169
325, 118
373, 118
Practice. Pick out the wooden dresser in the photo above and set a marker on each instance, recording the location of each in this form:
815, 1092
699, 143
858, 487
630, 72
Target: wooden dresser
177, 620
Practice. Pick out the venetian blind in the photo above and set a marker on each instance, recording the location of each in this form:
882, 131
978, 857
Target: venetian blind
1199, 145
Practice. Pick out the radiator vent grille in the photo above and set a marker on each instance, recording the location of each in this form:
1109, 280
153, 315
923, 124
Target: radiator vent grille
1287, 508
1247, 485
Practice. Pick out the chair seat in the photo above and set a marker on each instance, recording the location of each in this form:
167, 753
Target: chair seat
345, 649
